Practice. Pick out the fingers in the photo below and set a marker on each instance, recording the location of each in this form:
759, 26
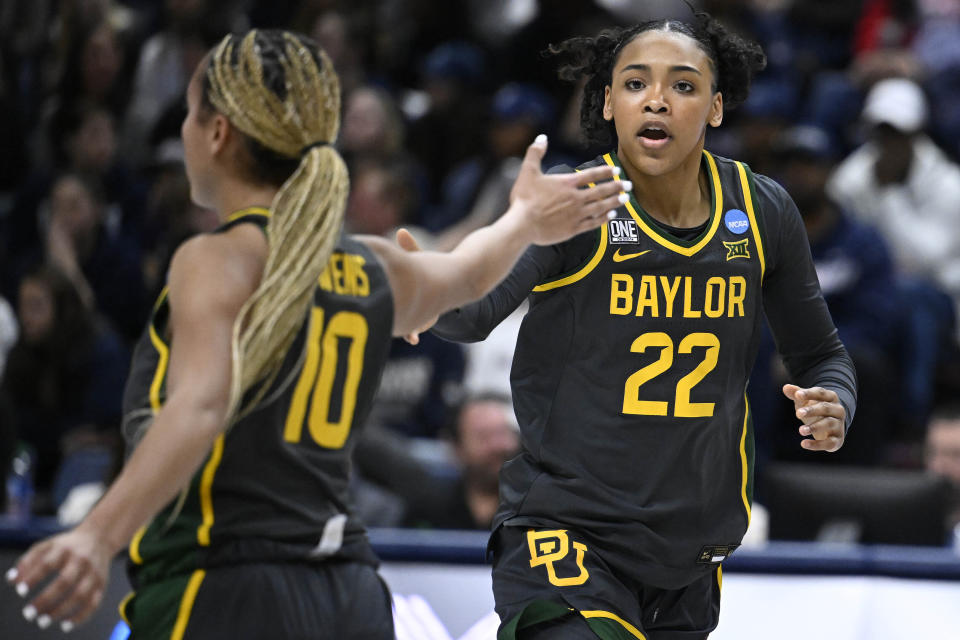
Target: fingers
406, 241
820, 409
817, 393
790, 390
830, 443
83, 602
596, 175
535, 152
827, 434
592, 222
35, 565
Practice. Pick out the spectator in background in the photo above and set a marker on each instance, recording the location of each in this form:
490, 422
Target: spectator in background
334, 32
105, 271
85, 143
372, 125
902, 183
485, 435
166, 61
448, 126
9, 330
171, 216
64, 376
476, 190
942, 451
420, 383
857, 280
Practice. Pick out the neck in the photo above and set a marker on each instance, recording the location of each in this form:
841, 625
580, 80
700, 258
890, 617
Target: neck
680, 198
235, 195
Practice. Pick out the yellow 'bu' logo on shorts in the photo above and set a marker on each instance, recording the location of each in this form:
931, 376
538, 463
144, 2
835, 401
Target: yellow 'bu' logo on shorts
547, 547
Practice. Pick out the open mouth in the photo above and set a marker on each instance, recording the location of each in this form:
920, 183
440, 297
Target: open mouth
654, 134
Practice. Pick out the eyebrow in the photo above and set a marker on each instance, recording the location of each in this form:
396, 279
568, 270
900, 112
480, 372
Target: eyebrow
646, 67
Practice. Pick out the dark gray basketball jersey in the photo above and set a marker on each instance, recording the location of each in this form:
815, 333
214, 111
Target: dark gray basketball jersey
274, 486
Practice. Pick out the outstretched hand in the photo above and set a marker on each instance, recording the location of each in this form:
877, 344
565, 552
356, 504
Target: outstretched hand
407, 242
822, 415
77, 564
558, 206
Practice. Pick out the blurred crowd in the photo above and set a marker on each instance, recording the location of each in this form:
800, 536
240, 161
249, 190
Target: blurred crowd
857, 115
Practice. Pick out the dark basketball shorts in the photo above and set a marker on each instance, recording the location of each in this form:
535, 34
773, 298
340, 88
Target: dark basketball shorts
293, 601
542, 575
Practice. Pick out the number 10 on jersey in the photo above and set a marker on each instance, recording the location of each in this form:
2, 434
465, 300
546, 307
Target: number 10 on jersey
316, 383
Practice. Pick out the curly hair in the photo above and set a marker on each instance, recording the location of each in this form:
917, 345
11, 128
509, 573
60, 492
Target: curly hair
733, 60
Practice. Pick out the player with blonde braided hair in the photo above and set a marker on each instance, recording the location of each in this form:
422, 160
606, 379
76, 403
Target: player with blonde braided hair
259, 365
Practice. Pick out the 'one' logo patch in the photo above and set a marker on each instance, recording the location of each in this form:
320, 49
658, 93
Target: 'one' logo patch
624, 232
736, 221
738, 249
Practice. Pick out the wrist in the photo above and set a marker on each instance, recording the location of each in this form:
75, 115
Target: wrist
518, 223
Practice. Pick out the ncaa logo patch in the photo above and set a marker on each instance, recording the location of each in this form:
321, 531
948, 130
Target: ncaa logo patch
736, 221
624, 232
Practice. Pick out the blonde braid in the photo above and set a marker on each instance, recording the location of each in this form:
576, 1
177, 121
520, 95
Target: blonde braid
307, 212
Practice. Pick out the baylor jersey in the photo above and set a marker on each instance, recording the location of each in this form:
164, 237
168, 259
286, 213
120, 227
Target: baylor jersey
629, 379
274, 487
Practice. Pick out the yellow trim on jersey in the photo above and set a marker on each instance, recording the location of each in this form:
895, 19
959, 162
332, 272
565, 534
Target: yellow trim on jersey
164, 352
748, 201
586, 269
135, 545
206, 498
612, 616
122, 607
743, 457
720, 578
259, 211
715, 223
186, 604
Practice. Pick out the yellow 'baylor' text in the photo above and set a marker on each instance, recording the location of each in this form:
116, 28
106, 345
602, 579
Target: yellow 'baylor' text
662, 297
345, 276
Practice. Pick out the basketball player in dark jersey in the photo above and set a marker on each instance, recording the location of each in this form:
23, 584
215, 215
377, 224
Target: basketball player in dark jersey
260, 362
635, 478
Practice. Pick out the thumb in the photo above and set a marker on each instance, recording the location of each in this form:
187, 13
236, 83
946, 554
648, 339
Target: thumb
406, 240
790, 390
536, 151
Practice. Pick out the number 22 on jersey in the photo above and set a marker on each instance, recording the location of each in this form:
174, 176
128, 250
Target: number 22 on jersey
683, 407
316, 386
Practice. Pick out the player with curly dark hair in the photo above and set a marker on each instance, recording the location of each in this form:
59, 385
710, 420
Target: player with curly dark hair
258, 368
635, 478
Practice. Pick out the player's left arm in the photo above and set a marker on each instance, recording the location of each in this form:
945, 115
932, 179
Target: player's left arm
825, 392
210, 280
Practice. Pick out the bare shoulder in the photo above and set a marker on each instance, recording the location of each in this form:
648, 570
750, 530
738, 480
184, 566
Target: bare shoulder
224, 267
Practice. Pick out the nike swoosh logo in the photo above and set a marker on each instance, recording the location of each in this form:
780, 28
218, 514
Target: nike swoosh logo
620, 257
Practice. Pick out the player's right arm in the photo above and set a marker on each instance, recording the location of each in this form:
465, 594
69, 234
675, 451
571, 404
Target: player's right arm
544, 210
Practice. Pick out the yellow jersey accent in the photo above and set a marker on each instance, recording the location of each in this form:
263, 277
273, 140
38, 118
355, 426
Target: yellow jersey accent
161, 373
620, 257
135, 545
720, 578
748, 201
582, 273
743, 457
260, 211
612, 616
714, 224
206, 484
186, 604
122, 607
